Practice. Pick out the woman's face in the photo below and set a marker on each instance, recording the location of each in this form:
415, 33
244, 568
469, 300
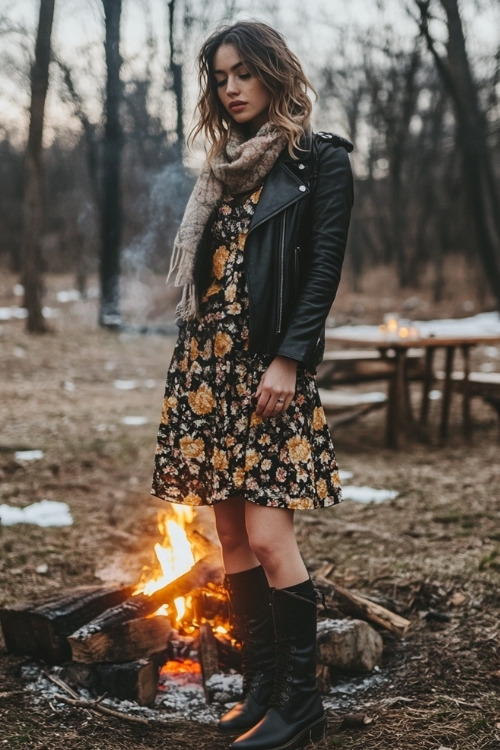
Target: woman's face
242, 95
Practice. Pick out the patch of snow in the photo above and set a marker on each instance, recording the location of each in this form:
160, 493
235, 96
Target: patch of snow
367, 494
344, 475
125, 385
135, 420
72, 295
34, 455
43, 513
13, 313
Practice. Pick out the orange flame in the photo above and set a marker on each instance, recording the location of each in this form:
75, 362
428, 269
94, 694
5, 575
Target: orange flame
174, 556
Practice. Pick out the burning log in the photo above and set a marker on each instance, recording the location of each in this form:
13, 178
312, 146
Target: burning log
358, 606
120, 640
105, 638
41, 629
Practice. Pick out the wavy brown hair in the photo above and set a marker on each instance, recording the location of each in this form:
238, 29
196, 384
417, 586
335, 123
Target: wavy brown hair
266, 56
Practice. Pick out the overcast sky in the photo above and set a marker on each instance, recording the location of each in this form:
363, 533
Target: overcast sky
310, 26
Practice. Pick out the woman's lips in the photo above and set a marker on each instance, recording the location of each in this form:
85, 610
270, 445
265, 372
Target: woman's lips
237, 106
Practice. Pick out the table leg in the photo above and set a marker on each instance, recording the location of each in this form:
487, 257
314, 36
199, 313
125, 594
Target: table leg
396, 407
466, 393
427, 383
447, 389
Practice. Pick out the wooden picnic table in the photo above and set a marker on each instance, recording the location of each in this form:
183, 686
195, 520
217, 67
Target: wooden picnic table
399, 417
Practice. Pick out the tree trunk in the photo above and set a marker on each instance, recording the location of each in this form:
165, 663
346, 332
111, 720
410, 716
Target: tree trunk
177, 85
111, 207
477, 160
33, 198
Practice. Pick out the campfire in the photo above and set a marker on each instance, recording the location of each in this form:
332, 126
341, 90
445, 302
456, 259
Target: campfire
133, 642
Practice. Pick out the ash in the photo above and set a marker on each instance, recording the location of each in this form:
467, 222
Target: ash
181, 696
178, 697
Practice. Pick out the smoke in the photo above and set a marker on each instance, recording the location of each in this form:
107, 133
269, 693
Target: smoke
146, 300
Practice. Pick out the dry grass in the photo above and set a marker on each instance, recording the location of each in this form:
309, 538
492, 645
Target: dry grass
438, 540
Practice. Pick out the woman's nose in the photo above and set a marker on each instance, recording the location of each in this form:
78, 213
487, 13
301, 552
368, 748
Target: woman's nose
232, 85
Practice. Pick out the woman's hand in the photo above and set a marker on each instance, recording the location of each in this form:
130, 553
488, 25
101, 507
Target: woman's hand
277, 387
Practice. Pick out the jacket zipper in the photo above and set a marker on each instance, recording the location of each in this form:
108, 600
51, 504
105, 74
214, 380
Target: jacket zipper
281, 274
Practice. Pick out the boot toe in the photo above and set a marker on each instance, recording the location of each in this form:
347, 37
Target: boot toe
273, 732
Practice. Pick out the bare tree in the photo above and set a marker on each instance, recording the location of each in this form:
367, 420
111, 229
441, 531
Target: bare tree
477, 159
111, 207
33, 198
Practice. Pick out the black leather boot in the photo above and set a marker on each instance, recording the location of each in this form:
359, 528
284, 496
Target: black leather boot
296, 715
253, 623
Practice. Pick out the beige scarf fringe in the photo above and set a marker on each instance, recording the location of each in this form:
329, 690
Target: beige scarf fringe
239, 170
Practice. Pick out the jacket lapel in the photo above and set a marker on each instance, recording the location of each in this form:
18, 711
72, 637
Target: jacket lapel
281, 189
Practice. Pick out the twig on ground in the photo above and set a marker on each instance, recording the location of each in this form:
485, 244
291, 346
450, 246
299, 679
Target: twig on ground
99, 708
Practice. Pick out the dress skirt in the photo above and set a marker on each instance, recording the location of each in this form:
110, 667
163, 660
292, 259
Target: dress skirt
211, 444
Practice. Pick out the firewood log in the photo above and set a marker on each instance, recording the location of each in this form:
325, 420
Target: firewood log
40, 629
358, 606
104, 638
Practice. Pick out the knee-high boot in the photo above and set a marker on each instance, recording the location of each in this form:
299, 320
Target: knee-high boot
252, 617
296, 715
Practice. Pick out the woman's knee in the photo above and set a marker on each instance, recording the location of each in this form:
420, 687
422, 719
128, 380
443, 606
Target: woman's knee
230, 525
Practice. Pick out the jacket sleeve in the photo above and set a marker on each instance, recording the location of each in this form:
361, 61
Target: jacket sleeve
328, 224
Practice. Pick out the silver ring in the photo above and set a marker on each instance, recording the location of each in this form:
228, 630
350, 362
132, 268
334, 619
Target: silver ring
280, 401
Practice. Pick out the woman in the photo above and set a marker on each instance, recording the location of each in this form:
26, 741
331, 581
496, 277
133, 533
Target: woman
258, 254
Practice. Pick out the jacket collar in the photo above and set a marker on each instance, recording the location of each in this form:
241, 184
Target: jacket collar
282, 186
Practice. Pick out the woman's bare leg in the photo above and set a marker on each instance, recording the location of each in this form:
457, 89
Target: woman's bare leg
271, 537
231, 530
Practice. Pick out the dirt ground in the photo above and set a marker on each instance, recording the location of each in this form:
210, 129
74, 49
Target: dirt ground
433, 553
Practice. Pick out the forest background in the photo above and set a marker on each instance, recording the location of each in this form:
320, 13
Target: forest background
95, 181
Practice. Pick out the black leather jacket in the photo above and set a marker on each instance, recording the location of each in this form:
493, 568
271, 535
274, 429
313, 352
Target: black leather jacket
295, 247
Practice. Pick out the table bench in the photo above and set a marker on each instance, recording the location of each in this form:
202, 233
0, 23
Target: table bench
342, 405
347, 366
486, 385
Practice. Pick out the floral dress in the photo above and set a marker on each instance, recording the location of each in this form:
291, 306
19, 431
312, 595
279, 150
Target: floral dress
211, 444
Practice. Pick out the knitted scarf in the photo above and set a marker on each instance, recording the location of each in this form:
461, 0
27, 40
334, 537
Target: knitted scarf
238, 170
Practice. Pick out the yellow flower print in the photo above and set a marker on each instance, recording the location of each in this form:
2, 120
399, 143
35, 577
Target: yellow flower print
192, 448
336, 478
219, 460
321, 489
256, 195
299, 449
230, 440
192, 499
220, 258
226, 210
266, 464
234, 309
299, 503
251, 459
255, 420
264, 440
222, 344
212, 289
242, 237
230, 293
318, 420
168, 403
193, 351
201, 401
239, 477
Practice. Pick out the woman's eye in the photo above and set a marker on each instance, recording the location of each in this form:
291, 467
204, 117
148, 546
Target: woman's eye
219, 84
245, 75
